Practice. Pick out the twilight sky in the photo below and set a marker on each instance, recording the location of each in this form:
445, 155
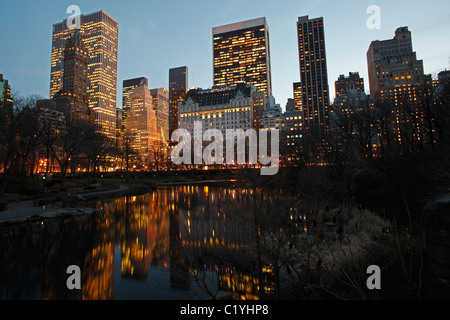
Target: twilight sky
155, 36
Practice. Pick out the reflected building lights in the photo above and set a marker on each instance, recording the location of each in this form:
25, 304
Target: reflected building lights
169, 230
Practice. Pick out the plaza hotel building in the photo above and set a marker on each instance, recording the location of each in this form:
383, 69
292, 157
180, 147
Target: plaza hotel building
222, 108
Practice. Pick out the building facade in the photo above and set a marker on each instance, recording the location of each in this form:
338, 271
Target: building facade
352, 82
178, 86
273, 117
161, 106
72, 99
293, 128
397, 81
5, 91
313, 76
219, 108
298, 97
259, 105
127, 89
241, 53
393, 62
100, 34
444, 76
293, 137
141, 124
290, 105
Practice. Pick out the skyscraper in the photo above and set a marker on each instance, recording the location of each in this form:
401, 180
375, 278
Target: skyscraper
141, 123
100, 34
73, 98
393, 62
241, 53
178, 86
127, 89
314, 76
397, 80
161, 106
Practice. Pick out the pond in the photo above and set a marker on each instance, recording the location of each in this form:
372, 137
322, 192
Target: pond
178, 242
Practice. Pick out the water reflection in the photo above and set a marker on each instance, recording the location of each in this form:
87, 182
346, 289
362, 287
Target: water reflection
184, 242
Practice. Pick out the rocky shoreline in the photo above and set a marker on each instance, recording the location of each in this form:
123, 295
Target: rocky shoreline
38, 210
6, 219
71, 204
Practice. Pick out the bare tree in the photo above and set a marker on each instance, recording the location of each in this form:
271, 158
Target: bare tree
7, 140
158, 157
128, 154
97, 148
68, 142
19, 140
353, 128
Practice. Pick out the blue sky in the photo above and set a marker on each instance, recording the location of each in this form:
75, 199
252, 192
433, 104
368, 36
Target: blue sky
157, 35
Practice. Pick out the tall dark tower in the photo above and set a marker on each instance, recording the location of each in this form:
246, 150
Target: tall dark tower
73, 97
314, 77
178, 86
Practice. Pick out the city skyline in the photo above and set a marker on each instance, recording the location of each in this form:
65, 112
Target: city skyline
139, 31
225, 151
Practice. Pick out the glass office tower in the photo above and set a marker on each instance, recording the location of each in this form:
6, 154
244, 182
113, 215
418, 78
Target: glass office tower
100, 35
241, 53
